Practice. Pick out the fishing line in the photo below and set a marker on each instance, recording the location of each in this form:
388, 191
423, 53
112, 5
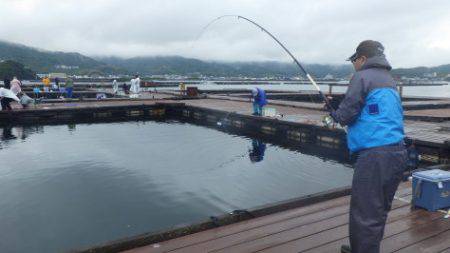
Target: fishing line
303, 70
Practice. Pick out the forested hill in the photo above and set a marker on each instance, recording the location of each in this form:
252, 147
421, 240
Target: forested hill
43, 61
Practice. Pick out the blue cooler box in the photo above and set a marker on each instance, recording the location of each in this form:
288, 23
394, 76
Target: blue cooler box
431, 189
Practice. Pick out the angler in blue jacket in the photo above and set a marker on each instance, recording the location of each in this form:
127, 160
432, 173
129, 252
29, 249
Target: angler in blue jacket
373, 112
259, 100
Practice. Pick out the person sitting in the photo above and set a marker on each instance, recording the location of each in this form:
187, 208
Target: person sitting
36, 92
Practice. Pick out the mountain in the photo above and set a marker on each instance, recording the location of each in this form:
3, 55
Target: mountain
185, 66
43, 61
160, 65
10, 69
441, 71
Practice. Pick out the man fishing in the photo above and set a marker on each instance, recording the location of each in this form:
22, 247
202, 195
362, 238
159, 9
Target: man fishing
373, 112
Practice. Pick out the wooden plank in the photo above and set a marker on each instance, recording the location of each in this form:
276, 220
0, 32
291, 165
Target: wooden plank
225, 235
445, 251
306, 237
303, 231
417, 233
277, 228
398, 221
305, 226
243, 226
433, 244
392, 228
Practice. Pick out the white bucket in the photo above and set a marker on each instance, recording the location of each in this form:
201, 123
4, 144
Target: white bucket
269, 112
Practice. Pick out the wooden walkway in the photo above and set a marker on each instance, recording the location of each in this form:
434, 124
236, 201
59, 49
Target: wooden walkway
431, 133
322, 227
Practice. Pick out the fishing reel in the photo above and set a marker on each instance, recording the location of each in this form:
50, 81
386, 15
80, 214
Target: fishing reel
328, 122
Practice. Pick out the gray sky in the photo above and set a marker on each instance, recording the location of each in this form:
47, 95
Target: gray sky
415, 33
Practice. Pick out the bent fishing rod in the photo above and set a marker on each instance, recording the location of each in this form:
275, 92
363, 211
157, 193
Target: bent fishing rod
303, 70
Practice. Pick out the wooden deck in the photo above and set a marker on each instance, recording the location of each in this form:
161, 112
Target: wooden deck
322, 227
421, 131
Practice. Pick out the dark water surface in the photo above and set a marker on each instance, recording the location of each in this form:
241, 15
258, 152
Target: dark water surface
70, 186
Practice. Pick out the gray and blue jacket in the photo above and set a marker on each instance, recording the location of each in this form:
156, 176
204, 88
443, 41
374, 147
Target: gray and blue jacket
372, 107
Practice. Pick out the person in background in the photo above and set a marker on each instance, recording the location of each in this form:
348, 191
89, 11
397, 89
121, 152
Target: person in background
259, 100
46, 82
135, 86
6, 97
115, 87
373, 112
16, 86
125, 88
56, 84
69, 87
182, 89
36, 91
7, 83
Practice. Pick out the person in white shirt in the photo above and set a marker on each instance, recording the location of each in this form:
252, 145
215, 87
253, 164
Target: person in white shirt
135, 87
115, 87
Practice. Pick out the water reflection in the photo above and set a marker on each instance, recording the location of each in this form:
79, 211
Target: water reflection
256, 154
9, 132
71, 127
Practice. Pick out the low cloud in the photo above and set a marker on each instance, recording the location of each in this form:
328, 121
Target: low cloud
415, 33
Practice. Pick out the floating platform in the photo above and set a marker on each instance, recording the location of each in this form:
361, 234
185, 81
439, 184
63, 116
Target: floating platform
316, 223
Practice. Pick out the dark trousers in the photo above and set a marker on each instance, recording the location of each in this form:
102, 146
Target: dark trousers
5, 103
378, 172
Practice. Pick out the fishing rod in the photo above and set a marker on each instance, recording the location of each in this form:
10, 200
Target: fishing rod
303, 70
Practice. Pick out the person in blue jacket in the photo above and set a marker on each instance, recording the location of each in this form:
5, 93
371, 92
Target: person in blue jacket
259, 100
373, 112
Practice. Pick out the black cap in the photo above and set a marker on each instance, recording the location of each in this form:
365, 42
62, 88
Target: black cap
368, 48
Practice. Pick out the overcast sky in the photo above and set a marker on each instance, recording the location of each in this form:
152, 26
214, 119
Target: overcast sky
415, 33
